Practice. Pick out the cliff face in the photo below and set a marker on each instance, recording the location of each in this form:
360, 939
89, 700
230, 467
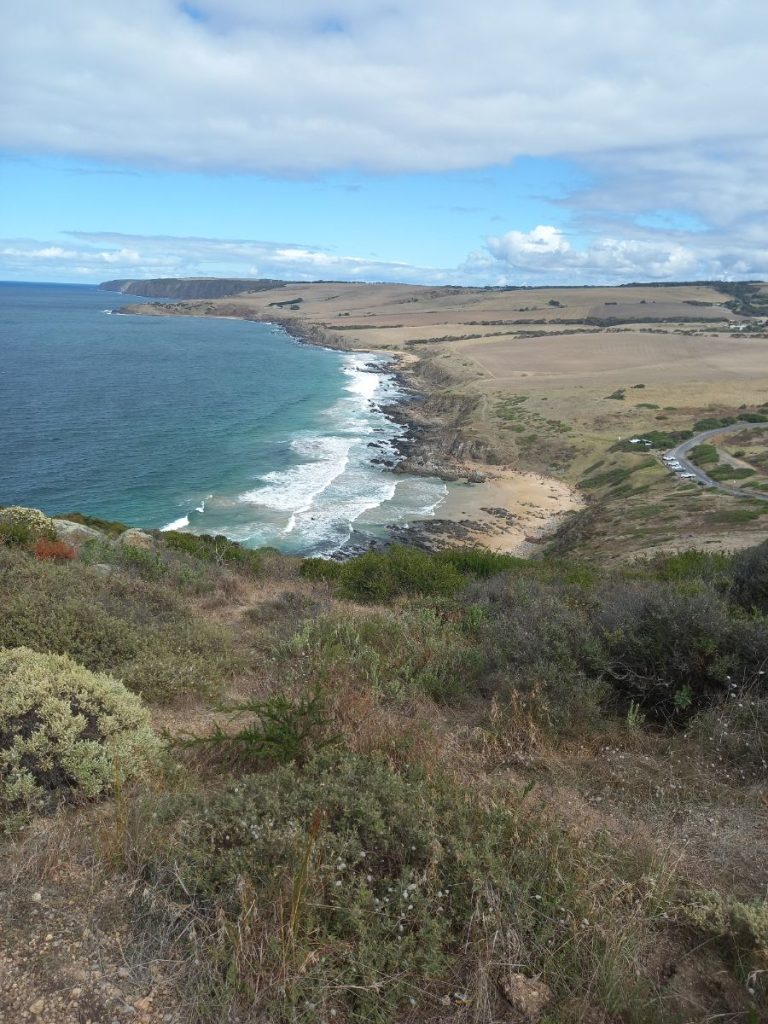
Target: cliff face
190, 287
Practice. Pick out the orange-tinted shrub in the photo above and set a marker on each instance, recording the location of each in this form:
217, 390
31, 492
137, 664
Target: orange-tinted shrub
53, 549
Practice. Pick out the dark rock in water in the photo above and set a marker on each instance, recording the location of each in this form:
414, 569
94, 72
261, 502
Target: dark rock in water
359, 543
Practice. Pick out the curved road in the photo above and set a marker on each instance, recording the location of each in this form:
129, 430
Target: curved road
681, 450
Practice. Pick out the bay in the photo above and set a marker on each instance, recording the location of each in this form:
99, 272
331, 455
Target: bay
209, 425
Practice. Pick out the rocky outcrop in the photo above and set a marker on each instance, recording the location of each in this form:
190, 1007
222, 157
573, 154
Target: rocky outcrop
135, 539
75, 534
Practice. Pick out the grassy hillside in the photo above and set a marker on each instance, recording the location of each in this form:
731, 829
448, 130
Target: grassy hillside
460, 787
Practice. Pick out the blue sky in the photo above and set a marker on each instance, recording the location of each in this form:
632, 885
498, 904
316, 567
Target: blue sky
519, 143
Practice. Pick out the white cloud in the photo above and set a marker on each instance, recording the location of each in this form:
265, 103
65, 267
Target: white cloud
49, 252
307, 86
660, 105
541, 256
101, 255
540, 244
544, 256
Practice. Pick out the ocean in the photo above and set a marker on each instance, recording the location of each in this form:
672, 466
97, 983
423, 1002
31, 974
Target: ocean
206, 425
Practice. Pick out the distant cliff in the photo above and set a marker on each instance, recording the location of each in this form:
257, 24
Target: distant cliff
190, 287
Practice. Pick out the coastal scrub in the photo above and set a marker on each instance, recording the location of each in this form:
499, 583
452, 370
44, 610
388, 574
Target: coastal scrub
65, 733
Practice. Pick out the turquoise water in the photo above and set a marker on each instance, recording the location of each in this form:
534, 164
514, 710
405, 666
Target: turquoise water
214, 426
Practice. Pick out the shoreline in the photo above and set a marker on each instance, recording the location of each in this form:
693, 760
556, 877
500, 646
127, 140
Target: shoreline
498, 507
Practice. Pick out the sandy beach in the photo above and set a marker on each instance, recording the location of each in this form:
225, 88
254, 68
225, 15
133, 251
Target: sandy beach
509, 513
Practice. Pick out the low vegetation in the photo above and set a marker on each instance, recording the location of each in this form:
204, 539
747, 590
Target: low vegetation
381, 794
129, 616
65, 733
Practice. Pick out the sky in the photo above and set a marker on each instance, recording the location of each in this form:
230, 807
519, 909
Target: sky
498, 142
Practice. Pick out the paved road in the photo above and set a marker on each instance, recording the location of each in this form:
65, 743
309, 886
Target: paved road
682, 450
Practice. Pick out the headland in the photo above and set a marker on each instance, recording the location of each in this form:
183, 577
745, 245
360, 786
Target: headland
526, 399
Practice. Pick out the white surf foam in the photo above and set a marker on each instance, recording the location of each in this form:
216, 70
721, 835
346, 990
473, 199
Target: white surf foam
177, 524
317, 502
296, 489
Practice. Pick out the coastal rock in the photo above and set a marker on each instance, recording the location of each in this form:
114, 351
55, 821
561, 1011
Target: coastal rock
135, 539
103, 569
428, 468
75, 533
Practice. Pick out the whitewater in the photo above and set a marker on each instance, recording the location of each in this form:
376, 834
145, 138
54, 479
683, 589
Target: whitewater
203, 425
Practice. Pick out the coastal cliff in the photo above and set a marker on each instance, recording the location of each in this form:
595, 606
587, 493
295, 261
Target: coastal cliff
190, 287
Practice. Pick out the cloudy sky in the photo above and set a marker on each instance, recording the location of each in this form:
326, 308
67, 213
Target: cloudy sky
493, 142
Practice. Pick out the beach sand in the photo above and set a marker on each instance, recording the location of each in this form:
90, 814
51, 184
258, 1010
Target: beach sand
510, 512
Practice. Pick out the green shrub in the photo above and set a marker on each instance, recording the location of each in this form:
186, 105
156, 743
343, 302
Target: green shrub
480, 563
712, 422
739, 516
370, 896
742, 927
65, 732
537, 637
663, 640
281, 731
145, 562
320, 569
749, 578
710, 566
140, 631
399, 570
216, 549
384, 575
666, 438
705, 455
726, 473
616, 476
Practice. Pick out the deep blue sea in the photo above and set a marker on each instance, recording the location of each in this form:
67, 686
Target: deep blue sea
209, 425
